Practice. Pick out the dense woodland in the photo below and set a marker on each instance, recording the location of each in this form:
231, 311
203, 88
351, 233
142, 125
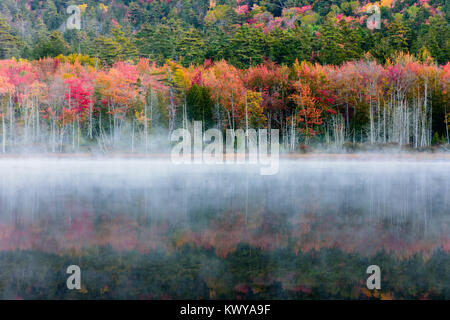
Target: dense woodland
138, 70
243, 32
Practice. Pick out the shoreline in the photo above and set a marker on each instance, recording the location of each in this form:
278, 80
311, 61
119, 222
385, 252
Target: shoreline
283, 156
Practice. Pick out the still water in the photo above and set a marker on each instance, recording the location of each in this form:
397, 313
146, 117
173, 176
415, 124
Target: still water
148, 229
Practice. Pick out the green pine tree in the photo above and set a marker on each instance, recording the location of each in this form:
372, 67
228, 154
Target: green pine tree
8, 42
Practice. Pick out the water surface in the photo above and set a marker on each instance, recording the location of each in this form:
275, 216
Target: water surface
150, 229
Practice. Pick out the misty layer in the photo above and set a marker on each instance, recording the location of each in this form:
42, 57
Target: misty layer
347, 213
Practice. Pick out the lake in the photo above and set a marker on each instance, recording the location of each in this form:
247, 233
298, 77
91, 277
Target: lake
149, 229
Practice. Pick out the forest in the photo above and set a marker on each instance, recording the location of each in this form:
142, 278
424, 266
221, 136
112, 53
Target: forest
242, 32
136, 71
69, 103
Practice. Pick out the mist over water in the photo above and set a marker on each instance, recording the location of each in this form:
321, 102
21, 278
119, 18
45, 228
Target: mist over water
210, 214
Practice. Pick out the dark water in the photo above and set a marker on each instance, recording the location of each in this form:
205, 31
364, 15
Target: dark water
152, 230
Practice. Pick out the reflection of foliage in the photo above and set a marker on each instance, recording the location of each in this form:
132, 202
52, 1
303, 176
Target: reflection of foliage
226, 255
192, 273
149, 242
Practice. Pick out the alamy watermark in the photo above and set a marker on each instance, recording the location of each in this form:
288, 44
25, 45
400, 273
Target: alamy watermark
374, 280
241, 147
74, 280
74, 21
374, 21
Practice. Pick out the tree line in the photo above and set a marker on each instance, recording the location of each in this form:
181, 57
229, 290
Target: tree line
242, 32
70, 102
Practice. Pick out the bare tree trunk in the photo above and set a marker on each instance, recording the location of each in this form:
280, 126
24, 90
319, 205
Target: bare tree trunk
90, 119
446, 125
38, 123
372, 125
4, 134
11, 122
246, 119
132, 136
426, 113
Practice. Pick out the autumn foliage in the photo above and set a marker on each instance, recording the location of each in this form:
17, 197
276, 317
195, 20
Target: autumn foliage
71, 96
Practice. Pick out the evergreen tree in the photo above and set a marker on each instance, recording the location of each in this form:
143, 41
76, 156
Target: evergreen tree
217, 44
436, 39
200, 105
247, 47
192, 47
288, 45
51, 17
332, 43
397, 35
128, 50
106, 50
160, 42
51, 46
8, 42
